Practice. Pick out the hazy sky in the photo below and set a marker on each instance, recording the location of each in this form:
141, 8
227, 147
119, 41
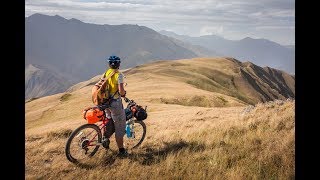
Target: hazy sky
231, 19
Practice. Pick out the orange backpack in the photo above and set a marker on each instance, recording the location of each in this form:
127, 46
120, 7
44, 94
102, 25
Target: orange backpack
100, 88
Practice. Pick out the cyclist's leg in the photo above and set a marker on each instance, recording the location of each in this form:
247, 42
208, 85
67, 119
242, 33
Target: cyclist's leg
109, 129
119, 119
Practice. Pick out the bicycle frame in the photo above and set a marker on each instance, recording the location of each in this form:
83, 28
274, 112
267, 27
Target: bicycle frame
104, 120
101, 126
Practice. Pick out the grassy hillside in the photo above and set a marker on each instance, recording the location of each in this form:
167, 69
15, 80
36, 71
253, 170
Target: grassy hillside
187, 143
192, 132
247, 82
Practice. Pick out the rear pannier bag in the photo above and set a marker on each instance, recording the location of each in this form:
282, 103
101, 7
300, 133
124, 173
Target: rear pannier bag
93, 114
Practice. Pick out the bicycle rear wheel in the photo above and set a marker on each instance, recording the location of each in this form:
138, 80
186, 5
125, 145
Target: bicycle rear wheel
83, 143
137, 136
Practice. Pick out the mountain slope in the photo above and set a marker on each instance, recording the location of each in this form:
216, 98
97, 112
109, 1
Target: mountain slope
244, 81
42, 82
200, 51
259, 51
215, 82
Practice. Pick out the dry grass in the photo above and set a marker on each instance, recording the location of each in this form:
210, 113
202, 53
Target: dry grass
195, 143
198, 100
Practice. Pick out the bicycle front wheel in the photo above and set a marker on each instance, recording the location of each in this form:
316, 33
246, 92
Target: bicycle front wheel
83, 143
139, 128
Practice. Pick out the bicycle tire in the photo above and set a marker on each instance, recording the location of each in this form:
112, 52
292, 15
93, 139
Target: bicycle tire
73, 135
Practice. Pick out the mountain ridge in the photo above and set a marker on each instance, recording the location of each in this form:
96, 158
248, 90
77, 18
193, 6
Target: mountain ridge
262, 52
245, 81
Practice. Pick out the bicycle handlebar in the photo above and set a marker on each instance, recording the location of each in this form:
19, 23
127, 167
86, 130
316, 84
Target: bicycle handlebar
126, 99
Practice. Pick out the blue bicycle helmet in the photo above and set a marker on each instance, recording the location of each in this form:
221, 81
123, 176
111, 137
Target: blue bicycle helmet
114, 62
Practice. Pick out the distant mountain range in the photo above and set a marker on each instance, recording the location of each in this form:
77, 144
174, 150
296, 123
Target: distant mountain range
81, 49
68, 51
259, 51
77, 51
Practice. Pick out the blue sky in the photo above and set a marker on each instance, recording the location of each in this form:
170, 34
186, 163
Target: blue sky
231, 19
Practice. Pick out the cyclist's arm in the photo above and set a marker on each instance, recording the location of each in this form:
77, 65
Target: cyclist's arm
121, 86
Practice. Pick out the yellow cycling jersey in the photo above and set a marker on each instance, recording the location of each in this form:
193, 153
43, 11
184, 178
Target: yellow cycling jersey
112, 82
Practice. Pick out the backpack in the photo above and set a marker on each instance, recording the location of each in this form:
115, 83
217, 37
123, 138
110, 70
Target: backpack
99, 95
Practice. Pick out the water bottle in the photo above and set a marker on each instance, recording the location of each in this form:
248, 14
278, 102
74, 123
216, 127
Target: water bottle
128, 130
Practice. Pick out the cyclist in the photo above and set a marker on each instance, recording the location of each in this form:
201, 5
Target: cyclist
116, 110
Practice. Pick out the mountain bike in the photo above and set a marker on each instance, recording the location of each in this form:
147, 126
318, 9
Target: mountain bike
84, 142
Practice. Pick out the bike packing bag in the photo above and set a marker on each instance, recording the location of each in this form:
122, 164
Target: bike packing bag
93, 114
140, 113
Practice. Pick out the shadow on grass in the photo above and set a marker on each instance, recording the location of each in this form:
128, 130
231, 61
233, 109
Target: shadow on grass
150, 156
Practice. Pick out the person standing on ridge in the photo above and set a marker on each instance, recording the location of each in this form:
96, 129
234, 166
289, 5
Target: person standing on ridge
116, 110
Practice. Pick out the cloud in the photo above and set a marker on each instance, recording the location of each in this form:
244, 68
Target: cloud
211, 30
275, 27
191, 17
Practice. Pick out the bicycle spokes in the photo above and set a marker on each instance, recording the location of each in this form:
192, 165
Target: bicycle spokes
83, 143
